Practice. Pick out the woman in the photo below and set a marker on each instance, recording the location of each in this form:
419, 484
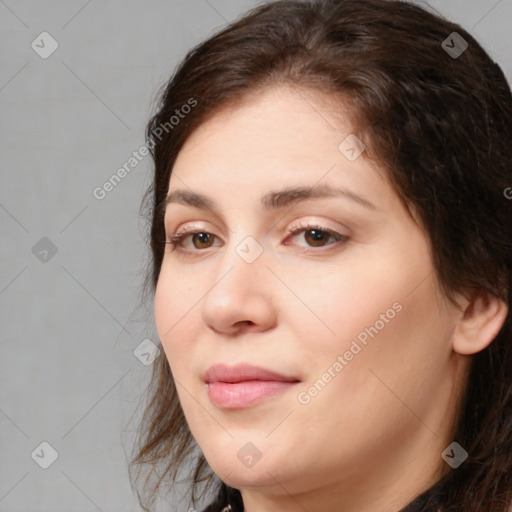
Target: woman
331, 265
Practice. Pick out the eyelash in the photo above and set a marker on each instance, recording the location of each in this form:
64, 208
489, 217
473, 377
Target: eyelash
177, 238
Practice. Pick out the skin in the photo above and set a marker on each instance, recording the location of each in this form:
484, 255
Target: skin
371, 439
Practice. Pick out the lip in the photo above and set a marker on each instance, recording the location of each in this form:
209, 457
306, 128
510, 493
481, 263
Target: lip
244, 385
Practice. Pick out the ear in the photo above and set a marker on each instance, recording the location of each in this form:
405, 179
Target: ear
483, 315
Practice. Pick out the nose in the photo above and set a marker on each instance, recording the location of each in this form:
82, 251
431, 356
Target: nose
240, 297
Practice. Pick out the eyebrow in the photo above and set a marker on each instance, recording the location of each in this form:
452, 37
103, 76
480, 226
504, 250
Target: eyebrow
272, 200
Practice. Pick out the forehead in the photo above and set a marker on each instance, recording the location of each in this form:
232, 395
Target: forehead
295, 113
276, 141
276, 132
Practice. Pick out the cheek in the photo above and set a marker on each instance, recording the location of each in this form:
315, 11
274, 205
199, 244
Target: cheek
176, 317
378, 318
345, 304
394, 351
364, 404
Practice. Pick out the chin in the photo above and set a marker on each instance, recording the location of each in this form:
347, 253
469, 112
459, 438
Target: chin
257, 477
244, 466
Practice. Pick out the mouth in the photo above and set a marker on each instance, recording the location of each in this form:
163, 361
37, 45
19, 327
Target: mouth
243, 385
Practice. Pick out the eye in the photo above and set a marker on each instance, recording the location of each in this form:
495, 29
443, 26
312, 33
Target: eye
318, 236
199, 239
315, 237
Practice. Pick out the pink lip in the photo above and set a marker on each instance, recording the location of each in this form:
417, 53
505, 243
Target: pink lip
240, 386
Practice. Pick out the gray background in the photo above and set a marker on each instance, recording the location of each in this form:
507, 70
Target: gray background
72, 320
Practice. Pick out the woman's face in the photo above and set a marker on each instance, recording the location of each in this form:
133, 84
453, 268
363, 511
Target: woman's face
314, 290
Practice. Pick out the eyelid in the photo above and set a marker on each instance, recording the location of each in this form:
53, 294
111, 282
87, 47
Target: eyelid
313, 224
177, 238
188, 229
318, 226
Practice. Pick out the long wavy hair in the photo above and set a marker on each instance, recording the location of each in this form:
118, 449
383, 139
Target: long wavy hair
438, 116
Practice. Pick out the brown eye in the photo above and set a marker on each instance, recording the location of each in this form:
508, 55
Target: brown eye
192, 240
317, 237
202, 240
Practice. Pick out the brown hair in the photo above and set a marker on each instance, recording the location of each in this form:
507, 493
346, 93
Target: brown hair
441, 126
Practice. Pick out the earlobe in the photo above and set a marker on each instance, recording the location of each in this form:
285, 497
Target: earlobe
483, 317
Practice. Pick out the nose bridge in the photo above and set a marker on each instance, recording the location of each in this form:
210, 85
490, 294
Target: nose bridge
242, 264
239, 294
